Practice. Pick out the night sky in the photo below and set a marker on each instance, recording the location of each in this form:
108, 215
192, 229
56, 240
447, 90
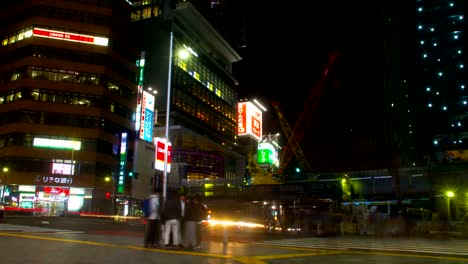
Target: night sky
287, 46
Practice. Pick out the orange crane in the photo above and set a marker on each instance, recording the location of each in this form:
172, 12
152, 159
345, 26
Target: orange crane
294, 136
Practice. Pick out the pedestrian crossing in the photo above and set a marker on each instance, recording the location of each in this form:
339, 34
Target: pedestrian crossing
34, 229
405, 245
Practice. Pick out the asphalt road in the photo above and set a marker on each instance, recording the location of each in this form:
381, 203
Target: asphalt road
78, 240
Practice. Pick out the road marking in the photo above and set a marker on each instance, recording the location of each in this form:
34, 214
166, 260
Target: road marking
249, 260
409, 255
101, 244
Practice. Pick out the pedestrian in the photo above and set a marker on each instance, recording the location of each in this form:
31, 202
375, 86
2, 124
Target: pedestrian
195, 215
172, 215
153, 222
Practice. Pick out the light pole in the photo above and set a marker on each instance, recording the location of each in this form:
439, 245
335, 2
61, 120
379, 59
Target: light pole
168, 109
5, 178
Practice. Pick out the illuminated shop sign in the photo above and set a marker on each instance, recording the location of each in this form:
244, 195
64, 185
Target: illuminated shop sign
266, 153
53, 180
56, 191
63, 168
249, 120
160, 148
57, 143
123, 164
147, 117
141, 65
68, 36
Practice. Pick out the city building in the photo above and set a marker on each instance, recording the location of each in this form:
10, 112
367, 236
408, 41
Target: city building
426, 96
184, 55
67, 99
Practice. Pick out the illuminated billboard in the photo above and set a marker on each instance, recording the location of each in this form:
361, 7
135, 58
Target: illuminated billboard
147, 117
160, 148
123, 163
68, 36
63, 168
249, 119
267, 154
57, 143
138, 109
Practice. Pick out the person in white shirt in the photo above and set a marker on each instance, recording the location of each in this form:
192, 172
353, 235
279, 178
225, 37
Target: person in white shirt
153, 225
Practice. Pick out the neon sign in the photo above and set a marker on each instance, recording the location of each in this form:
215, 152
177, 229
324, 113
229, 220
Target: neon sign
67, 36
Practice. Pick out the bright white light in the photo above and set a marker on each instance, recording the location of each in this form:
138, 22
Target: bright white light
57, 143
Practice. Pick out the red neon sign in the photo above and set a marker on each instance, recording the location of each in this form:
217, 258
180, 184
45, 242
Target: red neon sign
61, 35
56, 190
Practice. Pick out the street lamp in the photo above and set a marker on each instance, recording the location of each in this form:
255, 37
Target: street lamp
5, 178
449, 195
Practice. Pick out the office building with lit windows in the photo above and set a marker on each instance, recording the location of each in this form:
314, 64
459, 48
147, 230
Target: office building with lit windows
441, 39
203, 101
67, 100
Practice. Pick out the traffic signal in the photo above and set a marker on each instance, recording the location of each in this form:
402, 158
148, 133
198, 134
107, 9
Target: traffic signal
130, 174
108, 195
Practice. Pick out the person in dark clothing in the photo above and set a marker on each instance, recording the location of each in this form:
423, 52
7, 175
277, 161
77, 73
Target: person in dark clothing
172, 215
196, 213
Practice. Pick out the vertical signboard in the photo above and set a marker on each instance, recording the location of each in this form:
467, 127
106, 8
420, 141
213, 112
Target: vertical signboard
249, 119
147, 117
123, 164
141, 65
160, 148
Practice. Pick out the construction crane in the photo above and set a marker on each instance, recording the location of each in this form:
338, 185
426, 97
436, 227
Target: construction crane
294, 136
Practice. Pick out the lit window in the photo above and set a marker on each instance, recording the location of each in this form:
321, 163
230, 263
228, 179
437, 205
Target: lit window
464, 102
460, 17
451, 4
422, 42
429, 105
428, 89
420, 9
435, 44
459, 52
420, 26
424, 55
432, 29
444, 108
455, 37
440, 74
436, 142
462, 86
461, 66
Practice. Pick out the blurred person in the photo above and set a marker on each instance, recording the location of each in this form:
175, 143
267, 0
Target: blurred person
172, 220
199, 213
194, 214
153, 222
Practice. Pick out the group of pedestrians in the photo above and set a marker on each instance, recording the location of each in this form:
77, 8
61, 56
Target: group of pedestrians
175, 222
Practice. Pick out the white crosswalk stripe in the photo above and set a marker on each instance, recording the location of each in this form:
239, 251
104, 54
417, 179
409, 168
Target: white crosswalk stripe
34, 229
407, 245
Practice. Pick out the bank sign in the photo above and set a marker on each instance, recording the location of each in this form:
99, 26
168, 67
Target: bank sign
249, 120
160, 148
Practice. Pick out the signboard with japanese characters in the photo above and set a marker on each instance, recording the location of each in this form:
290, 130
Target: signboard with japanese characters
249, 120
147, 117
